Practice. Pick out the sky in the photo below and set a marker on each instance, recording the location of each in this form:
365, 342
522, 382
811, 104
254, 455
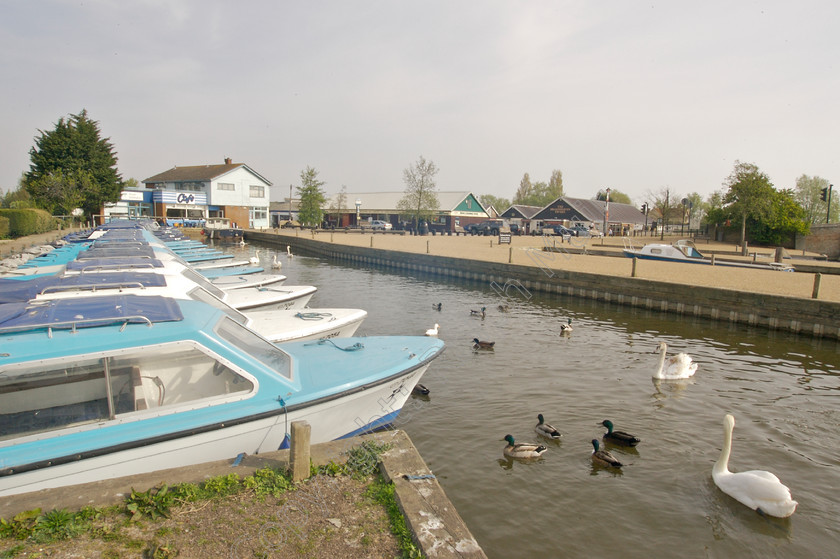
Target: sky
632, 96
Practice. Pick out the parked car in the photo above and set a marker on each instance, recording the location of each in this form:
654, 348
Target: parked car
487, 227
563, 231
379, 225
580, 230
515, 229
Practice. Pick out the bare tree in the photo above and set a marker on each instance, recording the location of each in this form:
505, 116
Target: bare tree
420, 200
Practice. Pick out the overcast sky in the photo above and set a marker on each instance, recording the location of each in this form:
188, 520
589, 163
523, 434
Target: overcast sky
635, 96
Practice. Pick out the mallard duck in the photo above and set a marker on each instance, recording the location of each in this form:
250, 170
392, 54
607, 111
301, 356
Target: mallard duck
545, 429
504, 308
433, 331
437, 306
566, 327
276, 263
421, 389
256, 258
759, 490
679, 366
478, 344
480, 313
619, 437
522, 450
603, 457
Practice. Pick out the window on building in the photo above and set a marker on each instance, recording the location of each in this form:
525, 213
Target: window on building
257, 214
257, 191
225, 186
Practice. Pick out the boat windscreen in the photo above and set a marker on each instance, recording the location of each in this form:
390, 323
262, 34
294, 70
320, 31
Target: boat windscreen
255, 346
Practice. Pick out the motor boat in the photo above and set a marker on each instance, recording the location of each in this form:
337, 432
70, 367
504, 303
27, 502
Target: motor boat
684, 251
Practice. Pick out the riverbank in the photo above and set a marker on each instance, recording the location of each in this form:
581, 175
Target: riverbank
771, 299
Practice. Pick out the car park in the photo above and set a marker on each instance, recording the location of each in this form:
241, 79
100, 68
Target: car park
379, 225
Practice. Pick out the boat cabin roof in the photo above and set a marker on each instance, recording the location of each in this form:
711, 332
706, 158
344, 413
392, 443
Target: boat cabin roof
14, 291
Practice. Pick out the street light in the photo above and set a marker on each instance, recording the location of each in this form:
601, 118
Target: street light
358, 209
607, 212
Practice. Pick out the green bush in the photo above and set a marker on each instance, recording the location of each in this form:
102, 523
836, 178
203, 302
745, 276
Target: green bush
29, 221
4, 227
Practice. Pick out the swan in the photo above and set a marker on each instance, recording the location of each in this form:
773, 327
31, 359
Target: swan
566, 327
433, 331
603, 457
677, 367
619, 437
545, 429
289, 251
256, 258
757, 489
276, 264
522, 450
478, 344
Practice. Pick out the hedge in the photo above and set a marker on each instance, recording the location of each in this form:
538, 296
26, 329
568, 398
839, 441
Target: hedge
28, 221
4, 227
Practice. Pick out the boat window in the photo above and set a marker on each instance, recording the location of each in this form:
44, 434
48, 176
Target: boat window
201, 295
57, 394
197, 278
255, 346
656, 251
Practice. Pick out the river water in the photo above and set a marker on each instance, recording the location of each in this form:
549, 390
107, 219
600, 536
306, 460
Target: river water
782, 389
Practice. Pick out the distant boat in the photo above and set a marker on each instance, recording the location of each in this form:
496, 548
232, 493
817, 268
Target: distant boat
221, 228
685, 251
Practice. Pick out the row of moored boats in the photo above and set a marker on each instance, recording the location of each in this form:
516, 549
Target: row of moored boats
131, 348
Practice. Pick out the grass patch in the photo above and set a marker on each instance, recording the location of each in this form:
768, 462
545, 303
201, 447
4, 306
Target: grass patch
383, 494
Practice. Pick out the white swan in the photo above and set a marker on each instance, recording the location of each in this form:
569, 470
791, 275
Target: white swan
677, 367
757, 489
289, 251
433, 331
276, 264
256, 258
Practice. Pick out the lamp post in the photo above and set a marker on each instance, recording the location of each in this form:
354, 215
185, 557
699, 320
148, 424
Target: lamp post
290, 204
358, 209
607, 212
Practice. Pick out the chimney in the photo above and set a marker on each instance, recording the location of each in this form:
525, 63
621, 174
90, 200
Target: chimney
227, 161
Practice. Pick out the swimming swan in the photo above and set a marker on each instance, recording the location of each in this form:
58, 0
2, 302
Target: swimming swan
757, 489
276, 264
256, 258
433, 331
677, 367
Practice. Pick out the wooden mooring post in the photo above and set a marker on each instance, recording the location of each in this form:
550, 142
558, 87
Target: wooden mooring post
299, 453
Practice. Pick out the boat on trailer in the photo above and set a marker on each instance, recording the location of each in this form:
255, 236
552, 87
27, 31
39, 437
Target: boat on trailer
95, 388
685, 251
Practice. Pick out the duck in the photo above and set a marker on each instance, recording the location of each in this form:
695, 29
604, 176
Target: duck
504, 308
289, 251
478, 344
546, 430
677, 367
433, 331
256, 258
437, 306
603, 457
480, 313
566, 327
757, 489
276, 264
619, 437
522, 450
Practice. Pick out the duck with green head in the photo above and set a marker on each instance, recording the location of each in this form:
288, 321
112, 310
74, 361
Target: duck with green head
603, 457
522, 450
619, 437
480, 313
544, 429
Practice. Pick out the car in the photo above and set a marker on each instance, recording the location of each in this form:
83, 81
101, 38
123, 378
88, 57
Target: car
580, 230
515, 229
563, 231
487, 227
379, 225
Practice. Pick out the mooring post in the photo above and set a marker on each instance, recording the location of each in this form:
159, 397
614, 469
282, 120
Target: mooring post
371, 240
713, 259
427, 247
299, 453
633, 273
817, 279
510, 255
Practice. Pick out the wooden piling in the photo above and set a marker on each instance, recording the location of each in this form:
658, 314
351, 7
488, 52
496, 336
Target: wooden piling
299, 453
817, 279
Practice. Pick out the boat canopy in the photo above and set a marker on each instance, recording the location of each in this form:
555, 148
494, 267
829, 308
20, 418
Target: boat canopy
88, 311
126, 262
15, 291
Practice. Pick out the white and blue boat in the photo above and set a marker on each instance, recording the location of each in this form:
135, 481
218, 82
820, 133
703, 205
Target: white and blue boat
100, 387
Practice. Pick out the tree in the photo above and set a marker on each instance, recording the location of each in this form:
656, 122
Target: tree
807, 194
487, 200
420, 200
339, 203
662, 203
696, 210
749, 195
784, 220
73, 153
555, 185
312, 197
615, 196
524, 191
16, 199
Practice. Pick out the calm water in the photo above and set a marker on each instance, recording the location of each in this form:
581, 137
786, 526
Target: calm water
782, 389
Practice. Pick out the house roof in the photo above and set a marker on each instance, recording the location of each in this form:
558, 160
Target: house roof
386, 202
593, 210
520, 210
201, 173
